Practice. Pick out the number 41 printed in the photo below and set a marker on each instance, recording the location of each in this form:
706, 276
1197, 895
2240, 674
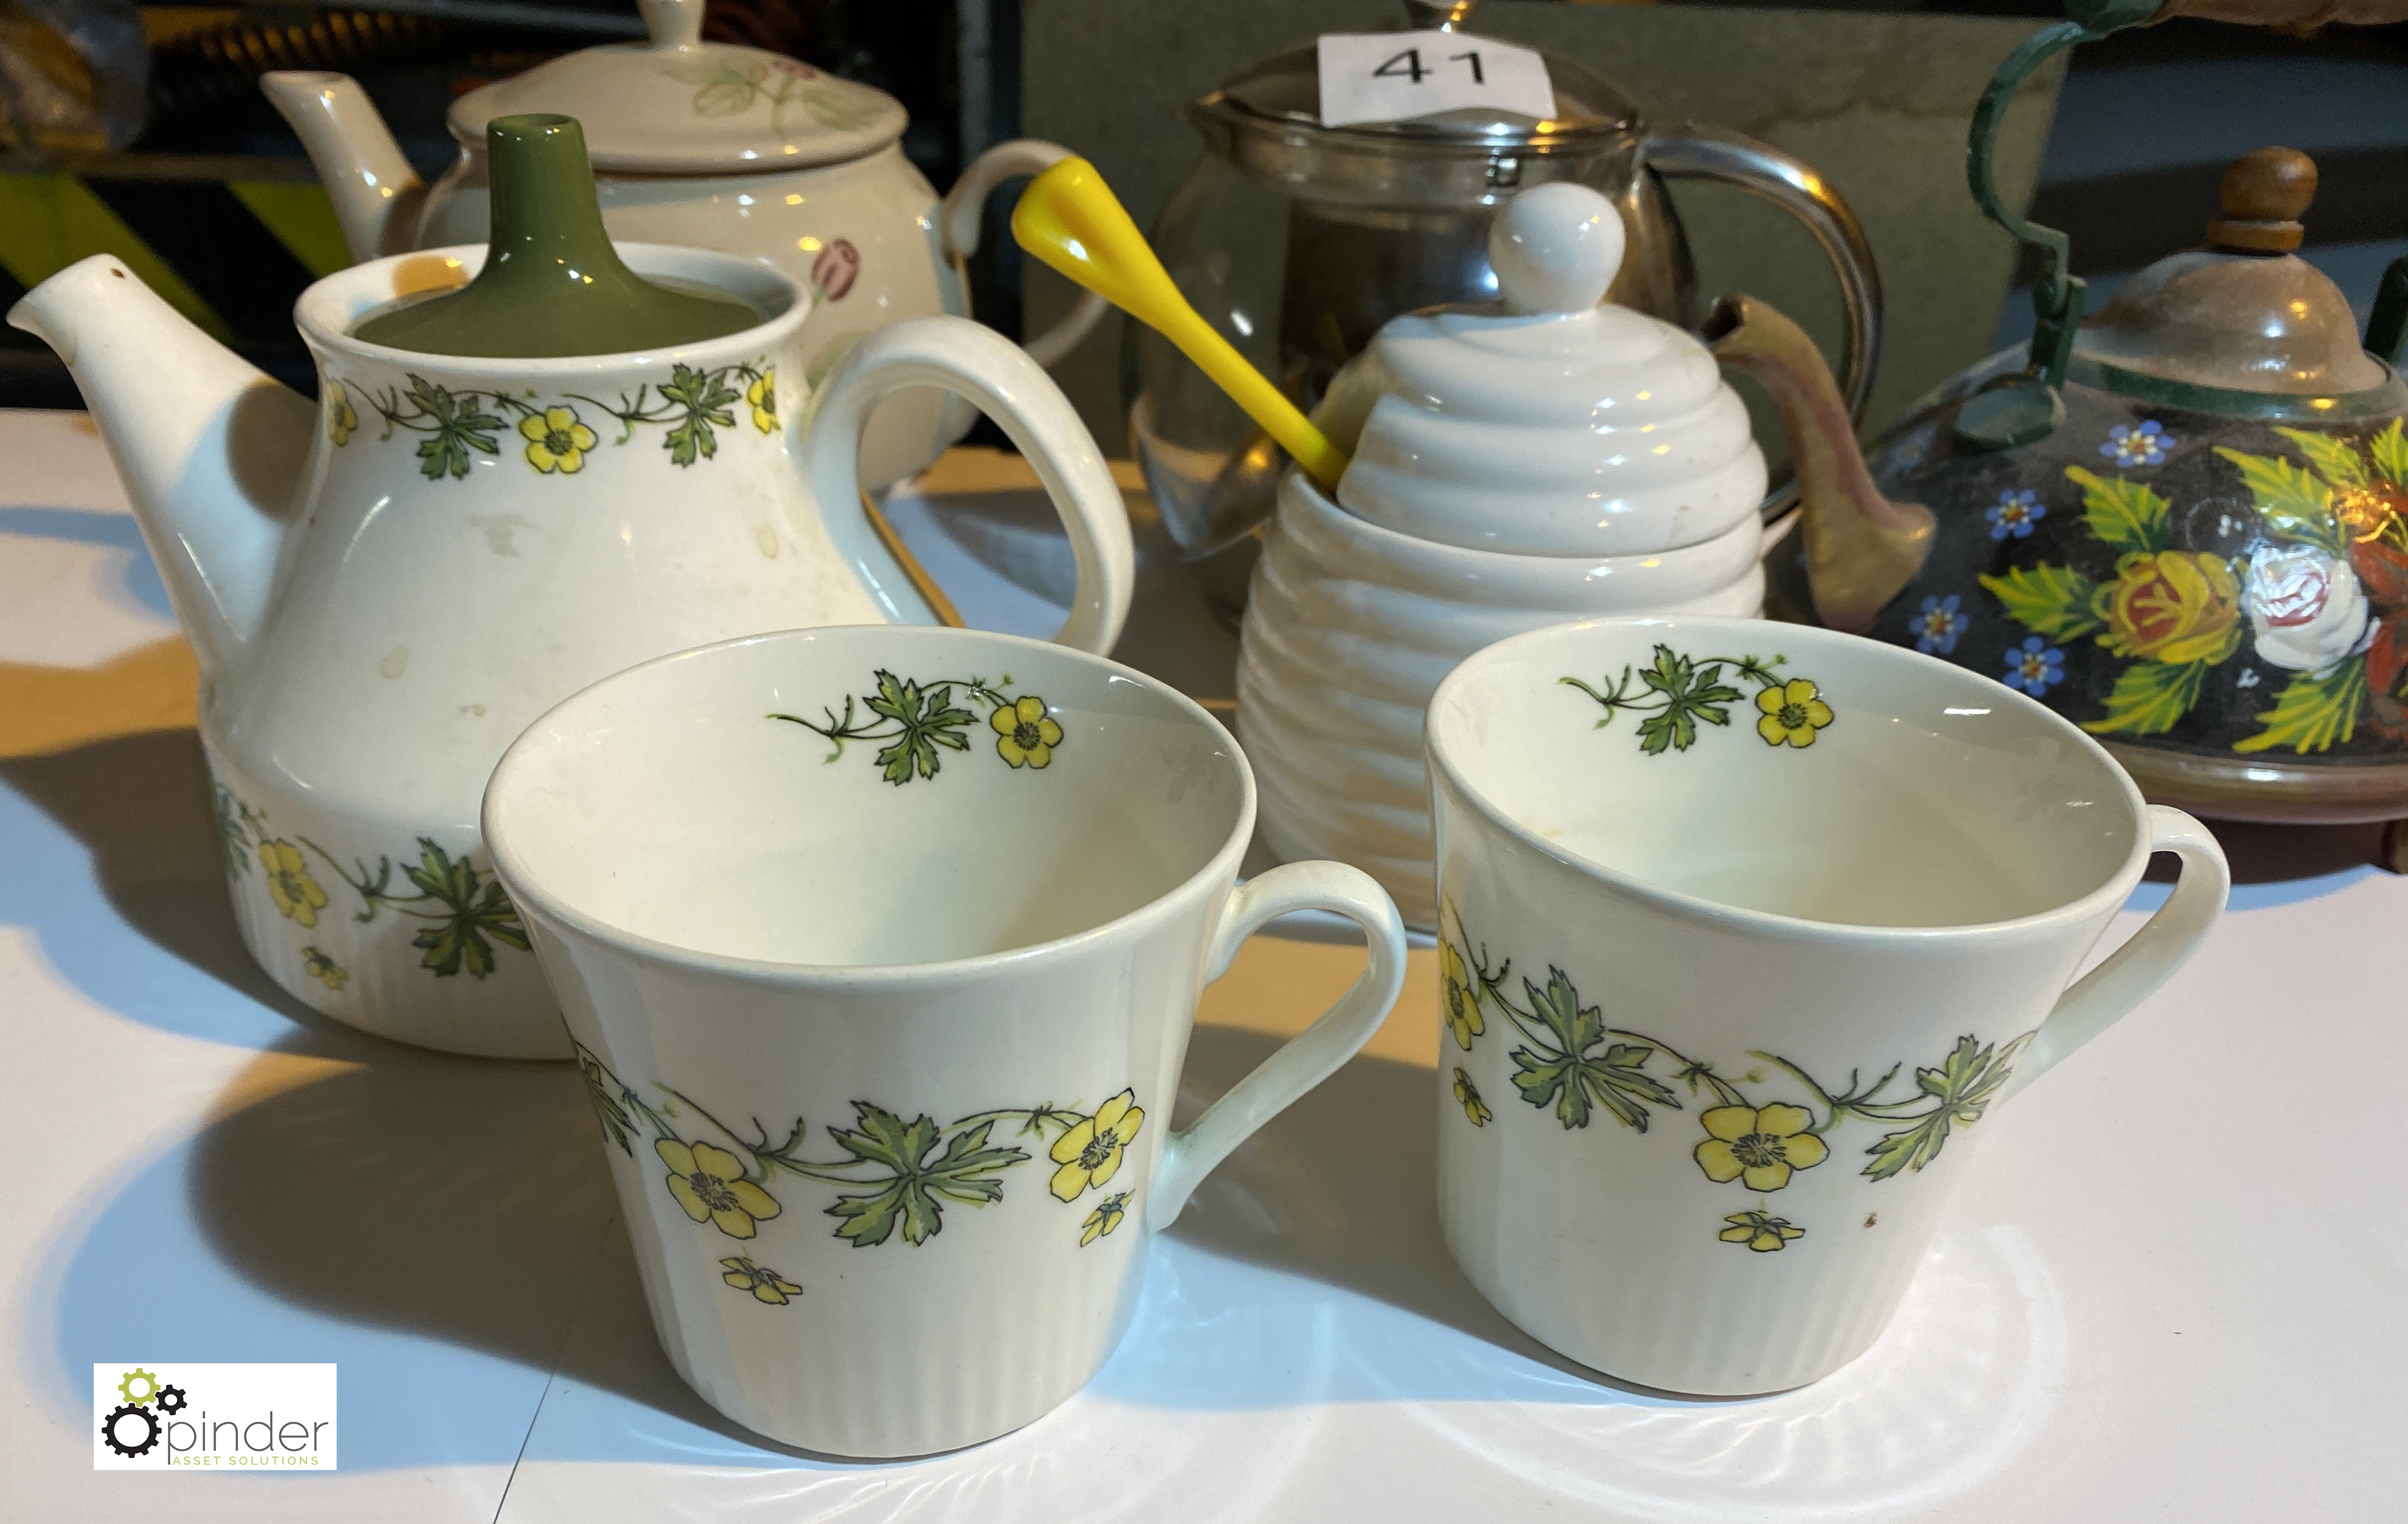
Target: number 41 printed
1394, 76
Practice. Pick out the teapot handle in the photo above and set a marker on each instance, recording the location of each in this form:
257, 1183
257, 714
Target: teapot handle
960, 219
1701, 151
990, 372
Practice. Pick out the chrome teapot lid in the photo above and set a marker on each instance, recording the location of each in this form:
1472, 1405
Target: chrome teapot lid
1268, 118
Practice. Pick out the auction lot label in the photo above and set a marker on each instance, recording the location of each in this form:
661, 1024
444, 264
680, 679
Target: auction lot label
246, 1418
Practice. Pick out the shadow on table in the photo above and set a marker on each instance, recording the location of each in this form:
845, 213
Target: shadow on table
1341, 1188
352, 1190
139, 805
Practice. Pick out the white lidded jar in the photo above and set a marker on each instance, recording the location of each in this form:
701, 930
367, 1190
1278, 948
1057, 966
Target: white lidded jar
1517, 464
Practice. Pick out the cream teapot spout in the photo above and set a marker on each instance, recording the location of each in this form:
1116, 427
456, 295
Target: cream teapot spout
209, 447
1861, 548
377, 195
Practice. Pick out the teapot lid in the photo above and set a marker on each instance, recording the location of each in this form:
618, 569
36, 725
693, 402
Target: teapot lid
1549, 421
552, 285
1284, 92
2246, 313
680, 104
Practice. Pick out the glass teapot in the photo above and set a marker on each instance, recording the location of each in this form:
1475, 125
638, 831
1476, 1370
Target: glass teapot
1298, 241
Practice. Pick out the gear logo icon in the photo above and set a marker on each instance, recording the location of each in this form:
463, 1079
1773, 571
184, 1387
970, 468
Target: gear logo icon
149, 1386
171, 1399
109, 1429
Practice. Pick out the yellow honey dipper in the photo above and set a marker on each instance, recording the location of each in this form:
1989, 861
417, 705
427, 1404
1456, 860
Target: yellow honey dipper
1069, 219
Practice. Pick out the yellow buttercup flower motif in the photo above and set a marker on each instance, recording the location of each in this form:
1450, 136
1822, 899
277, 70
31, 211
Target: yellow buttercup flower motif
556, 442
1103, 1219
763, 395
1792, 714
296, 894
1090, 1153
1760, 1146
341, 418
710, 1184
317, 966
1026, 735
764, 1282
1466, 1094
1463, 1016
1762, 1233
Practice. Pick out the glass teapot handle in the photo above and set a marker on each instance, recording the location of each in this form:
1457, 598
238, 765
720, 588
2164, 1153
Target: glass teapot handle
1699, 152
988, 369
958, 227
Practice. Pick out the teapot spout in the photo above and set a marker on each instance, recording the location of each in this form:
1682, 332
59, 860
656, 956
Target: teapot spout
1861, 548
377, 195
208, 449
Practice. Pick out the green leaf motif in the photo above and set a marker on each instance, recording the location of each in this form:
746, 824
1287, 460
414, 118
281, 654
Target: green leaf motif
2314, 710
2123, 513
2151, 697
1964, 1085
2295, 504
458, 941
830, 109
1690, 694
2390, 451
456, 426
930, 720
1569, 1078
602, 1095
2336, 460
910, 1194
703, 401
2053, 602
234, 835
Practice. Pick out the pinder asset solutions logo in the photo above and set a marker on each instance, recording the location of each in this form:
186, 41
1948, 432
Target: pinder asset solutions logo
220, 1417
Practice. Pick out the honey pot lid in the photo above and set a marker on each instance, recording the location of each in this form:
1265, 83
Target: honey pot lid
677, 104
1579, 408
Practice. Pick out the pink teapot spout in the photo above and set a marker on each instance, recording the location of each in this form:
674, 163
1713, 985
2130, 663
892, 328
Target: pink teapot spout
1861, 548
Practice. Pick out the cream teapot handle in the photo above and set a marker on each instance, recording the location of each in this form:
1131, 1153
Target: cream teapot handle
959, 222
990, 372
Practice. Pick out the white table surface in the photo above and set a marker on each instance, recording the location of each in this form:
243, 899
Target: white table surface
2173, 1286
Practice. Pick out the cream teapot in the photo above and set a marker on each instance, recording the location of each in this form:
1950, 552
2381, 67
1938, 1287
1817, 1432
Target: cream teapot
384, 588
714, 145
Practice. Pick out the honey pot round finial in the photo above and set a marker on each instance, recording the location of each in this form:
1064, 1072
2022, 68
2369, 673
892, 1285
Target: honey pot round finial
1555, 248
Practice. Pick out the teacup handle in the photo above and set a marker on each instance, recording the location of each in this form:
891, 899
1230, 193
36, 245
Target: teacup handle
1313, 1055
2164, 943
990, 370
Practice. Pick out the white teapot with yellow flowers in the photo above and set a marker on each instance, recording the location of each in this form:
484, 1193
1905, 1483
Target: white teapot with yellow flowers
385, 587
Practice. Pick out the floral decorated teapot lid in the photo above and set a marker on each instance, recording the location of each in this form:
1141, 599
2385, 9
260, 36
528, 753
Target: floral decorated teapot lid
1548, 421
678, 105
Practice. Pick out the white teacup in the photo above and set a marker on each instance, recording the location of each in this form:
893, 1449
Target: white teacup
1745, 930
881, 948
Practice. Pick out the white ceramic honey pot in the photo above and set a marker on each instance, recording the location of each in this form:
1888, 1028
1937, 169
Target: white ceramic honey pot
384, 588
1515, 465
714, 145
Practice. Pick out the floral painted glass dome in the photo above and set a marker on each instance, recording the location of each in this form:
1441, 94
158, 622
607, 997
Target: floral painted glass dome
2204, 562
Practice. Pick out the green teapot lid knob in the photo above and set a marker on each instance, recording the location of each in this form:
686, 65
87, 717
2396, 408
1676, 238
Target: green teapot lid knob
552, 285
